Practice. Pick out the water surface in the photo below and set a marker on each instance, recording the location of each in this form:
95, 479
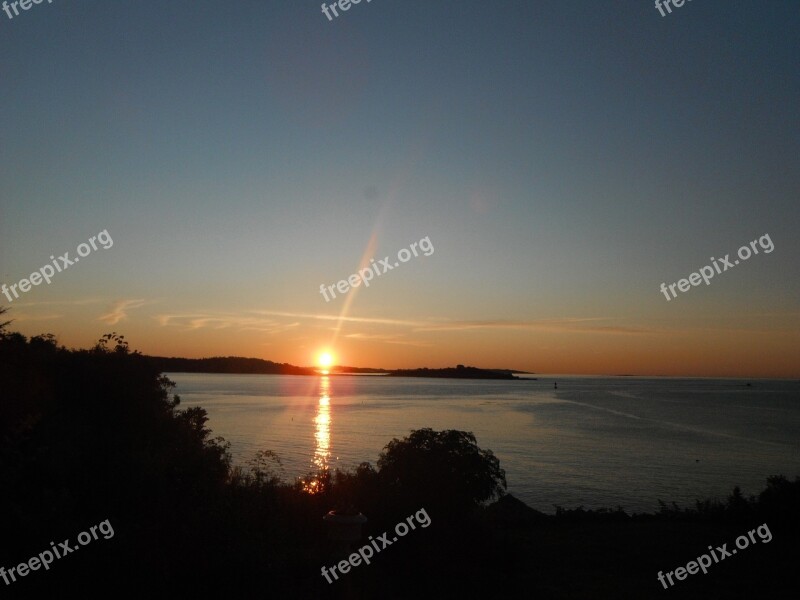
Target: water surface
594, 441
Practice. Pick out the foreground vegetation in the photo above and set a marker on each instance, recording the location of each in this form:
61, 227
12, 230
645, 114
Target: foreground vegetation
89, 435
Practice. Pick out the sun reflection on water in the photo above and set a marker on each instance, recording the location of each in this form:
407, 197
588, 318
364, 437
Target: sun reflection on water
322, 437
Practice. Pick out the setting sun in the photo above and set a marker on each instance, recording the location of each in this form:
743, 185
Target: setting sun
325, 360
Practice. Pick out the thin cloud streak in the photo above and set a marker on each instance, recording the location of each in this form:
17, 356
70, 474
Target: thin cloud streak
387, 339
574, 324
119, 310
340, 318
563, 325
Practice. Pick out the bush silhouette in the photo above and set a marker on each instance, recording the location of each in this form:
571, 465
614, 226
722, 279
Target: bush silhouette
443, 471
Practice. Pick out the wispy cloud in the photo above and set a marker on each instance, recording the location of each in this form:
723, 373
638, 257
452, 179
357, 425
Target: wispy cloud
322, 317
267, 320
238, 322
575, 325
119, 310
387, 339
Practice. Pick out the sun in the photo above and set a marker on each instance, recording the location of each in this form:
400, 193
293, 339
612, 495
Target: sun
325, 360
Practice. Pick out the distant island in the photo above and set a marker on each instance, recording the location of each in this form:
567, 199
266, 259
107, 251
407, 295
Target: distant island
237, 365
459, 372
339, 370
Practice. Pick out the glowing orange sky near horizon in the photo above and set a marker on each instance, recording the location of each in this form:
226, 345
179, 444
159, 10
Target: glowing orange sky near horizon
558, 346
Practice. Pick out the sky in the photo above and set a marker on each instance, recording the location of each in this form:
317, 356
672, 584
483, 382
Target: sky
563, 160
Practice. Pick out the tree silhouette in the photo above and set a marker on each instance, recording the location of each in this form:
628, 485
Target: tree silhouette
444, 471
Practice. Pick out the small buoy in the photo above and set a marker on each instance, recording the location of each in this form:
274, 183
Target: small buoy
555, 385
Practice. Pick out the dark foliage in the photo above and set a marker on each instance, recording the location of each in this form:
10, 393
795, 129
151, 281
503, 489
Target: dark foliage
443, 470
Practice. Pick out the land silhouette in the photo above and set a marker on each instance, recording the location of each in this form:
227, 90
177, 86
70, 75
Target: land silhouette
240, 365
94, 434
459, 372
227, 364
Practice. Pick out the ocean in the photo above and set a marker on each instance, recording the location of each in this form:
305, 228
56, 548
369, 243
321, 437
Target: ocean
593, 442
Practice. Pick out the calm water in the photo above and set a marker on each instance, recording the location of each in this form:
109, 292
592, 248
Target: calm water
594, 442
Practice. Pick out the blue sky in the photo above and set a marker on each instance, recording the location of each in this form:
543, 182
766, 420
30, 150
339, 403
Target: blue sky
565, 158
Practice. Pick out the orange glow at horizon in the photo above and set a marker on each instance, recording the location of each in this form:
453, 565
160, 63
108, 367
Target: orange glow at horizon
639, 347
